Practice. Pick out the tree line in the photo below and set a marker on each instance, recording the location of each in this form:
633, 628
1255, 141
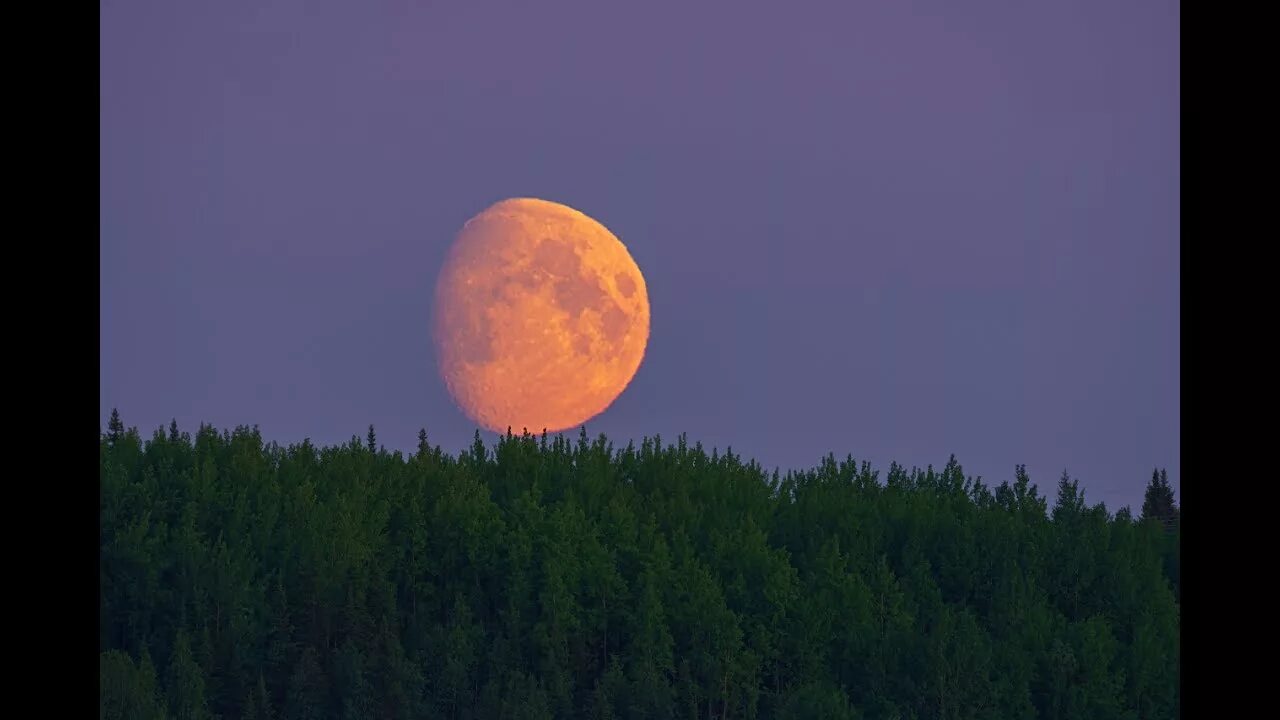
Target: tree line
548, 578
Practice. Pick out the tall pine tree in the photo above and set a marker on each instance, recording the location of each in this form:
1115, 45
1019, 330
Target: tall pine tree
1158, 503
186, 682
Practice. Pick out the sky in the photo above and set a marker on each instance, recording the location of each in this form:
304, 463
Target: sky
897, 230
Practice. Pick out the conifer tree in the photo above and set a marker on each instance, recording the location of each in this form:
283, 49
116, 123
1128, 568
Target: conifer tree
126, 691
1158, 503
115, 428
186, 682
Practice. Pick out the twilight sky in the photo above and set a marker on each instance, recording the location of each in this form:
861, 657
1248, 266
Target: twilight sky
893, 229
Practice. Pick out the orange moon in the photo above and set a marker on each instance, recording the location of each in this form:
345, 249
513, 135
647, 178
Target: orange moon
541, 317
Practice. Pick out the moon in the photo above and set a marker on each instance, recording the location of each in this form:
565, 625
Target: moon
541, 317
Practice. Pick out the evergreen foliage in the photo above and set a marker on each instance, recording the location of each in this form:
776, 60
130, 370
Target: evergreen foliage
549, 578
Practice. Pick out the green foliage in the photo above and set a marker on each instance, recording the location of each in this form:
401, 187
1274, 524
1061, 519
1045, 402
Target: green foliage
545, 577
128, 691
1158, 503
186, 682
308, 697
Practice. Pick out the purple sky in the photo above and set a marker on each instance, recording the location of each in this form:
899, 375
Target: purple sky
896, 229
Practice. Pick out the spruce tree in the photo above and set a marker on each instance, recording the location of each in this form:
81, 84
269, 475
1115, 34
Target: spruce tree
115, 428
186, 682
1158, 503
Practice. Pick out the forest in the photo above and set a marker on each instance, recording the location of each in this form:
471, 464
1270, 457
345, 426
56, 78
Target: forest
548, 577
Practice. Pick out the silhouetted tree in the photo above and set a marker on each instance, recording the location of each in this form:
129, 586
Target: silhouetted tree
1158, 503
115, 428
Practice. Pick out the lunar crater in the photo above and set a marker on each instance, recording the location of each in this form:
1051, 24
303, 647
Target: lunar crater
541, 317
